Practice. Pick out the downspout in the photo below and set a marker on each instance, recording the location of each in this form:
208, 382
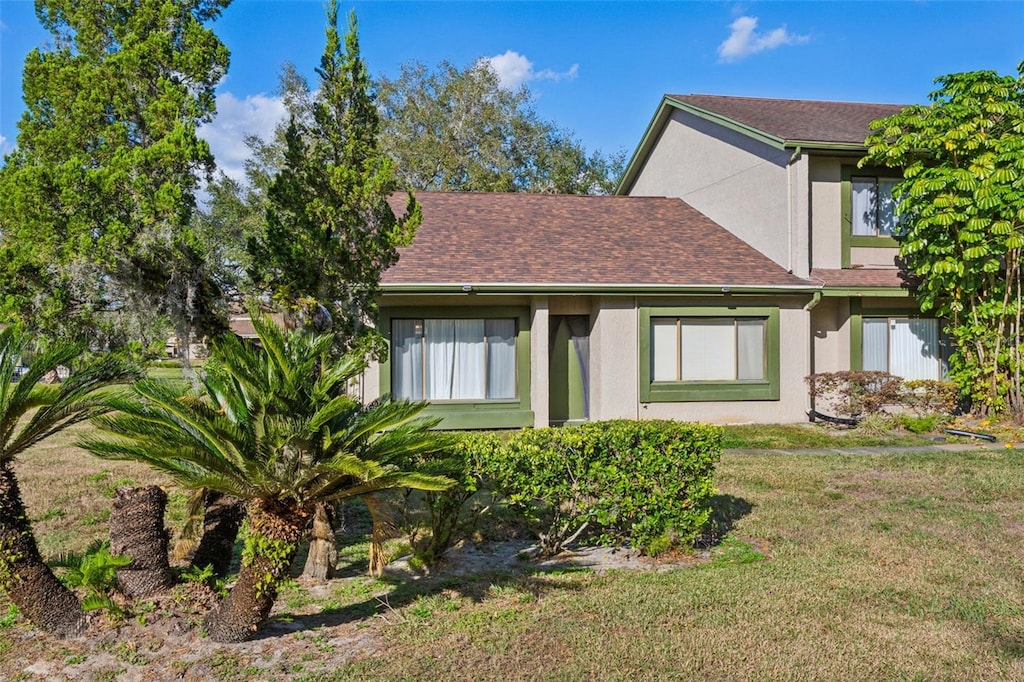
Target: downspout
811, 305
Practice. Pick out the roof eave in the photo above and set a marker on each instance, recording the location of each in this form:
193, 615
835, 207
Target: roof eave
427, 288
658, 122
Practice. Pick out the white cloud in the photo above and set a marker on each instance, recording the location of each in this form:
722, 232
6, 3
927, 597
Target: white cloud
237, 118
745, 40
514, 69
5, 146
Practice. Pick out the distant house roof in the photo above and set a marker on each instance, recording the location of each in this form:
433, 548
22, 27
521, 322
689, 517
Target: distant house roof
796, 120
553, 242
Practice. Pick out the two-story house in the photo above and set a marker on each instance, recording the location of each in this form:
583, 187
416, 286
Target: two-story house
783, 176
747, 252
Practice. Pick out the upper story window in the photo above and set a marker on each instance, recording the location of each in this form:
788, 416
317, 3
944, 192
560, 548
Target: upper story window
454, 359
873, 209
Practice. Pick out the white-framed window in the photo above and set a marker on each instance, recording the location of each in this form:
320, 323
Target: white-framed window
873, 207
906, 347
454, 359
708, 349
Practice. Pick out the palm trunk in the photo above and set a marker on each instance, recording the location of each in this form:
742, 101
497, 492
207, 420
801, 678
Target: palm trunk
26, 578
221, 522
137, 530
274, 534
323, 550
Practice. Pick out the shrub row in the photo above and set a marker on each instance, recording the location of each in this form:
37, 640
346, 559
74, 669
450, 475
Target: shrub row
643, 483
862, 393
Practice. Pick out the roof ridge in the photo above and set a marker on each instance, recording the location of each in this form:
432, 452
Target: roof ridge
789, 99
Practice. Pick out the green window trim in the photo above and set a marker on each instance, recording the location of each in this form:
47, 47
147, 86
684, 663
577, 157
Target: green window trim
708, 391
857, 315
471, 414
848, 239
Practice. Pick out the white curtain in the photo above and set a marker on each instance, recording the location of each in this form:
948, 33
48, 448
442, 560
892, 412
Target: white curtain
886, 208
407, 359
501, 359
875, 357
455, 359
914, 349
708, 349
750, 350
664, 351
863, 204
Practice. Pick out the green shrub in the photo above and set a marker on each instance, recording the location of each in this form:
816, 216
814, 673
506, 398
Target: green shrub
646, 483
856, 393
95, 570
446, 508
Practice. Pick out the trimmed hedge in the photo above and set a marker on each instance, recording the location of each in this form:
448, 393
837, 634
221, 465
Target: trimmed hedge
645, 483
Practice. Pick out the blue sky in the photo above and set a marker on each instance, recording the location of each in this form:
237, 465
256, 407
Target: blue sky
596, 68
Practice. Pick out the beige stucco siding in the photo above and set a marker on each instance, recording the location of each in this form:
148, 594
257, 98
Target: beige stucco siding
826, 212
737, 181
830, 329
614, 391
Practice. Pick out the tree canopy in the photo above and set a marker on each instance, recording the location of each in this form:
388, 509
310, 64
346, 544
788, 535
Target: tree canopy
96, 200
330, 232
962, 207
454, 129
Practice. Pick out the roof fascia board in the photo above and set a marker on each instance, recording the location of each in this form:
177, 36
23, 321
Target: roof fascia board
644, 148
858, 292
658, 122
835, 147
470, 288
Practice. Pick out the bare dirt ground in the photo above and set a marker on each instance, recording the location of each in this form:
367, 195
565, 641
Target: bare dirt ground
312, 631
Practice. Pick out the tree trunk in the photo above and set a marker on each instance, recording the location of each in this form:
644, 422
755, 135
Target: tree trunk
137, 531
323, 550
274, 533
221, 522
26, 578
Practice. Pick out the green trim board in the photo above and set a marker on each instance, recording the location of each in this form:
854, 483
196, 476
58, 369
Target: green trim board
532, 288
664, 112
848, 239
857, 315
707, 391
865, 292
471, 414
661, 118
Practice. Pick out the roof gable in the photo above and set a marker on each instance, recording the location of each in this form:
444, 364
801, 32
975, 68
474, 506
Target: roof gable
779, 123
564, 242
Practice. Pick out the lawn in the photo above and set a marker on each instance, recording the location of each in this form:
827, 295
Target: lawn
882, 566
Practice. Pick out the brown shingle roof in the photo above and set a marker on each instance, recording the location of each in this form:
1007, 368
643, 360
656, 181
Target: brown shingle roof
797, 119
545, 239
861, 277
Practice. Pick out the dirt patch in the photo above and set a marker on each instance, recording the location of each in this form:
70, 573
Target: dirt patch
162, 639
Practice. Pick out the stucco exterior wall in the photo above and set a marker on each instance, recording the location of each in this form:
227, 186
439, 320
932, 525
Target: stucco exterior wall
614, 391
874, 257
539, 328
830, 327
826, 212
736, 181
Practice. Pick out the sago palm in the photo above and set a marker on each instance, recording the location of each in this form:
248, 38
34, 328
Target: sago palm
31, 411
272, 424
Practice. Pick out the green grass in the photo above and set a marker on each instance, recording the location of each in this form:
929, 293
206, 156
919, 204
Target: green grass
804, 436
881, 566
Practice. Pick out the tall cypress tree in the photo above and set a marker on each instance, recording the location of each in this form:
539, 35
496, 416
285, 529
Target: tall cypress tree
96, 201
330, 231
